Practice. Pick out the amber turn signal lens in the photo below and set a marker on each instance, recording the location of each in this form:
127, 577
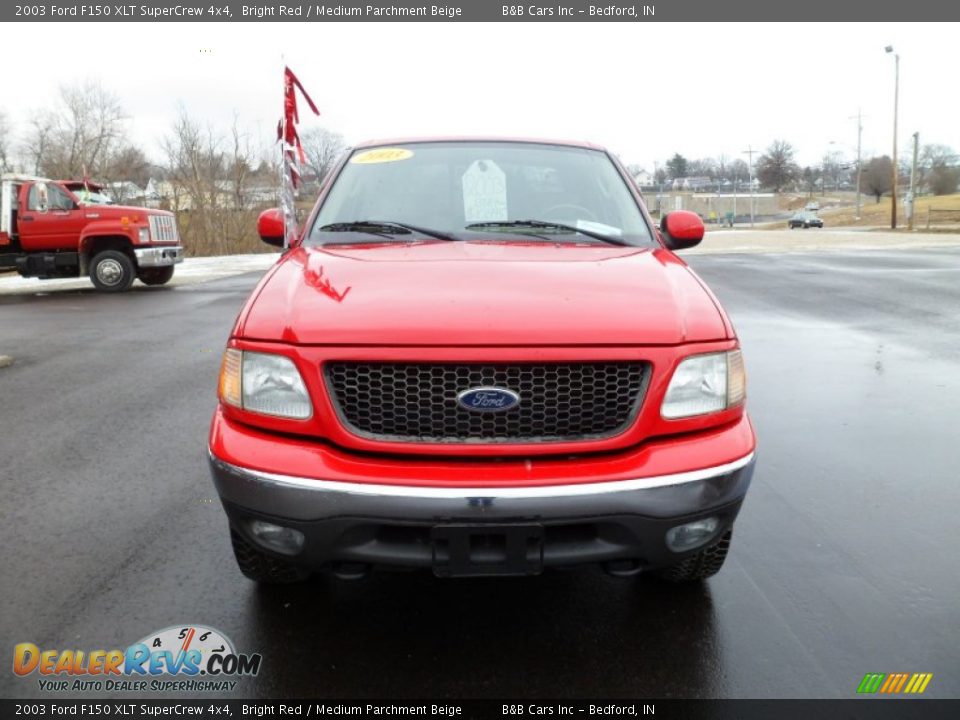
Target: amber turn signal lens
736, 379
230, 369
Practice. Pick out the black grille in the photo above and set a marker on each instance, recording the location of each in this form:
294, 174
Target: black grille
416, 402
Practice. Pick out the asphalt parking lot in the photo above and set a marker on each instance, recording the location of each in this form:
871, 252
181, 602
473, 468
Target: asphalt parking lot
844, 560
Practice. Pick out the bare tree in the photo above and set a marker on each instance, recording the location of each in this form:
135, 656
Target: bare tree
877, 176
703, 167
810, 177
195, 164
208, 183
127, 165
6, 164
239, 167
938, 169
83, 133
35, 144
776, 167
832, 170
322, 148
738, 170
944, 180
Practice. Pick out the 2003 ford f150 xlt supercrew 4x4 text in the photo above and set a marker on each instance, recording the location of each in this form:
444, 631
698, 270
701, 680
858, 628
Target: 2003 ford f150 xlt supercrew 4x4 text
481, 357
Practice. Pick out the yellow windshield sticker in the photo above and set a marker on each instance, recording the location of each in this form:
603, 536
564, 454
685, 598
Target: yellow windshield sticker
381, 155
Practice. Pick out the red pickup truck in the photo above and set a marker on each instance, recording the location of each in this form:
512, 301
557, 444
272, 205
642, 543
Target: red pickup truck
481, 357
67, 228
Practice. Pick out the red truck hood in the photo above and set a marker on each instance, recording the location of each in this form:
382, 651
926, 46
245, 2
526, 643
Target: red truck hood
115, 212
481, 293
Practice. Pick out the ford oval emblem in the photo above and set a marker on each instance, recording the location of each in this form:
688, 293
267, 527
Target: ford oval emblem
488, 399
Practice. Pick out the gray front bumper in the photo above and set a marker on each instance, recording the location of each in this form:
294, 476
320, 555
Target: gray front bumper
383, 525
158, 256
307, 499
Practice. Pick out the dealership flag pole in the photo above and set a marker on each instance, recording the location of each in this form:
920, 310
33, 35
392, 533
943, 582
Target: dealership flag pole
292, 155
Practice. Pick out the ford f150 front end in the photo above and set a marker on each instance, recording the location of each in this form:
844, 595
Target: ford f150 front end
481, 358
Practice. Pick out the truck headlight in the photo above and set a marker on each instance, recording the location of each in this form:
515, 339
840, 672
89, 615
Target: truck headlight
264, 383
144, 235
704, 384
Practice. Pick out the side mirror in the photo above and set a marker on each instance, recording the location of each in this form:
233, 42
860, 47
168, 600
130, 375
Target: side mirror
270, 227
681, 229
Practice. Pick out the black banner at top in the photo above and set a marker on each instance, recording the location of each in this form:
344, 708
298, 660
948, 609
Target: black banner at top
479, 10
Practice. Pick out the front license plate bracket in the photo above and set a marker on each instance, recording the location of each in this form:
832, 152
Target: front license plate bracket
461, 550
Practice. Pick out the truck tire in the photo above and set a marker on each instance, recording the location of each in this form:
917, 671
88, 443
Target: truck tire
261, 567
156, 276
112, 271
700, 566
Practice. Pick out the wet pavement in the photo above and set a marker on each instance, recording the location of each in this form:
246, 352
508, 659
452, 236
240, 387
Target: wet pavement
844, 559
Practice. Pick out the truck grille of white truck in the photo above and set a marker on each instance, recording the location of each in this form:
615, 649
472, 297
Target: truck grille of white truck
418, 402
163, 228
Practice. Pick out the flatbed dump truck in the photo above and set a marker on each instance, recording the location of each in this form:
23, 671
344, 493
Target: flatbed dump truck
68, 228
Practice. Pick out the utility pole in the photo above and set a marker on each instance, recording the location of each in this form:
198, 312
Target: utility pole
859, 161
896, 103
734, 201
749, 153
911, 204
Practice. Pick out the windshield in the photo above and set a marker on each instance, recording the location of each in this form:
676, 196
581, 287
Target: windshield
90, 197
480, 190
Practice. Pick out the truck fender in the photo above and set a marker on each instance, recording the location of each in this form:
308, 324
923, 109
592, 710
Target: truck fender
120, 237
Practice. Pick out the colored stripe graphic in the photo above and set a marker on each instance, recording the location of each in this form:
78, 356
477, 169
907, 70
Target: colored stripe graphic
870, 683
894, 683
919, 682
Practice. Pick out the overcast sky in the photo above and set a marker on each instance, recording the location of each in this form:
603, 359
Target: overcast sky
643, 90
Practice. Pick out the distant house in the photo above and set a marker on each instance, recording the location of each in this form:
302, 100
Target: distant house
151, 193
692, 184
643, 179
696, 183
167, 195
124, 192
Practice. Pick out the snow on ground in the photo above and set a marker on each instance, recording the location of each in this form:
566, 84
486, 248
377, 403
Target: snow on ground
202, 269
190, 271
815, 240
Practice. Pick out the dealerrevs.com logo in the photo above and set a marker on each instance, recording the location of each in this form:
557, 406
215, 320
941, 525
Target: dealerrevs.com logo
180, 658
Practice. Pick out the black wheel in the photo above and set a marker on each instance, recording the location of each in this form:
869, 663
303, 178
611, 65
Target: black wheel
112, 271
261, 567
700, 566
156, 276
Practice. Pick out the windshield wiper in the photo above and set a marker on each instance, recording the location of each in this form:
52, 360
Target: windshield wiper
547, 225
386, 228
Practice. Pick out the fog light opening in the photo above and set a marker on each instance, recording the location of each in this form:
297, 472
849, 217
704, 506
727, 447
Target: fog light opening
284, 540
624, 567
692, 534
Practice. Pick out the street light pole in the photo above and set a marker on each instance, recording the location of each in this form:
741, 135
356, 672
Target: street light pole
734, 200
913, 180
749, 153
859, 161
896, 169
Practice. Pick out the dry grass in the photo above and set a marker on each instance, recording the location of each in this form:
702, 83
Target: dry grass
219, 231
233, 235
878, 214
